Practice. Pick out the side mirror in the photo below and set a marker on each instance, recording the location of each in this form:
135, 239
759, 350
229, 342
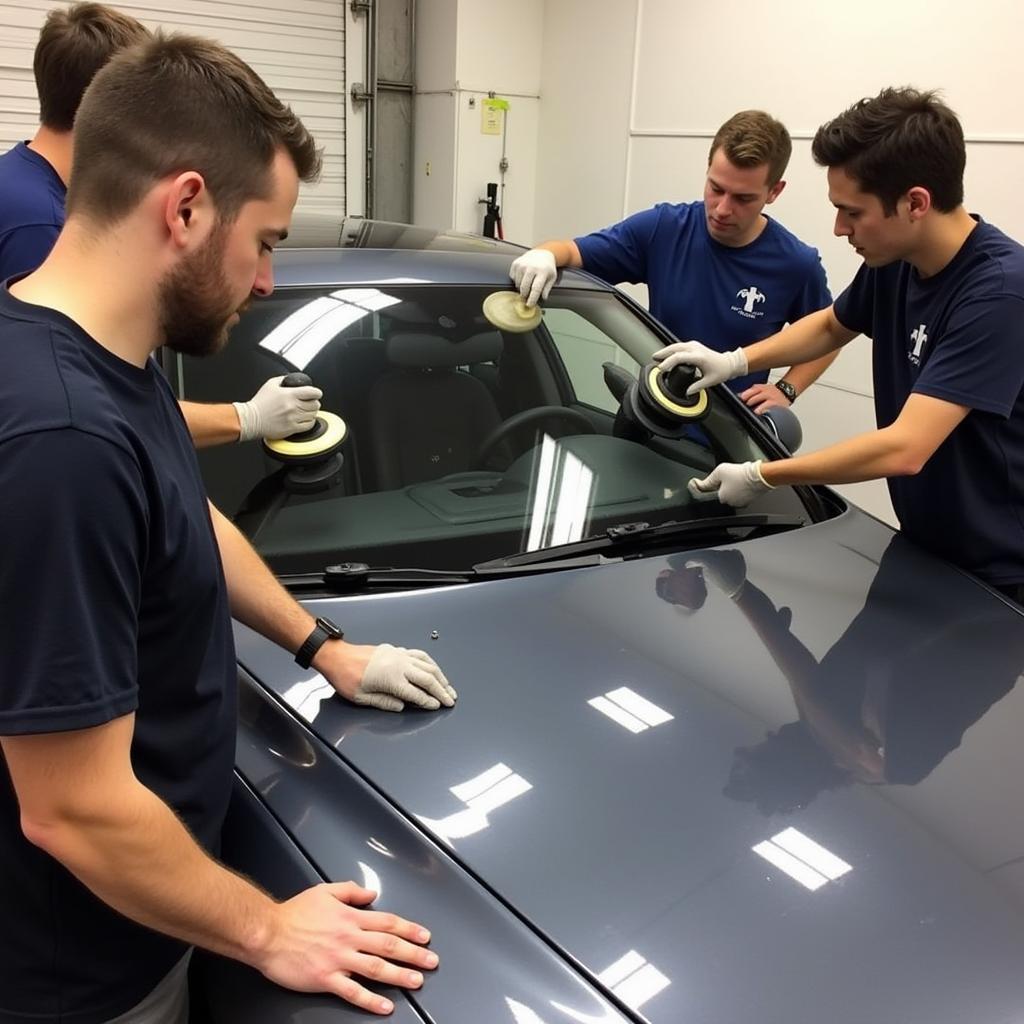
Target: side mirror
783, 423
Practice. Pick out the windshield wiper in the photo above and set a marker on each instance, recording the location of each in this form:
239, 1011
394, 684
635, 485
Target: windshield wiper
345, 577
643, 535
348, 577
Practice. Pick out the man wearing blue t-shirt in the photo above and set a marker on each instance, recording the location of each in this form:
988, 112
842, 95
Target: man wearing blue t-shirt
941, 295
718, 269
74, 43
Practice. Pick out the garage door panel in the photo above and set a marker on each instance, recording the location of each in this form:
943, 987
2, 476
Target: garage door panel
298, 49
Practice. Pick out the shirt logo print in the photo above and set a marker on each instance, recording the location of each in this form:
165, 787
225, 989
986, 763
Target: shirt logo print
918, 337
751, 297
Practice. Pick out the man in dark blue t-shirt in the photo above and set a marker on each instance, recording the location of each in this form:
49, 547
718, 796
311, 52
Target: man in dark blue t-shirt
117, 708
718, 269
74, 43
941, 295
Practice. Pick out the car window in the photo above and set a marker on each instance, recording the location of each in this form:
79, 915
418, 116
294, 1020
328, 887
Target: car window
461, 442
584, 349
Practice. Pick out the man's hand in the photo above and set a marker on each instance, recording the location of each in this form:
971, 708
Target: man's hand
715, 367
275, 412
735, 484
385, 677
762, 397
727, 570
534, 274
318, 942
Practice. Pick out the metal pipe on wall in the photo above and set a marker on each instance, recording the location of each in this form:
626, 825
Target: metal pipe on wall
366, 94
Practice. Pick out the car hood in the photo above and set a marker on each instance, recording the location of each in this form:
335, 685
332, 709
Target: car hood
796, 802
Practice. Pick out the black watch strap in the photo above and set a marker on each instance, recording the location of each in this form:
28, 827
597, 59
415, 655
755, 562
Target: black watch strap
787, 389
324, 630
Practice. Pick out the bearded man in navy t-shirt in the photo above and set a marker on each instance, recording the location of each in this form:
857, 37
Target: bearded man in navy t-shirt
718, 269
941, 295
118, 702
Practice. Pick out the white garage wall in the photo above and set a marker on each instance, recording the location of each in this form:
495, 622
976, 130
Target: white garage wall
466, 49
299, 49
633, 90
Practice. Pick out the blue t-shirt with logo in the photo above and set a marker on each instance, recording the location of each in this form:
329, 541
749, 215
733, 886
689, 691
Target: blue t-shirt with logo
31, 210
702, 290
957, 336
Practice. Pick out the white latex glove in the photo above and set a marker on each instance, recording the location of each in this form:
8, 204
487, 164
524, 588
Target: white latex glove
736, 484
715, 367
726, 569
396, 676
275, 412
533, 274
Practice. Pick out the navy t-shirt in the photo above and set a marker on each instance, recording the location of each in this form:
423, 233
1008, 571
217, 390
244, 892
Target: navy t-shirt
958, 336
31, 210
114, 602
702, 290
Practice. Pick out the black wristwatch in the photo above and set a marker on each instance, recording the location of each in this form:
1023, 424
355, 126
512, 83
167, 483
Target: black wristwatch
787, 389
323, 631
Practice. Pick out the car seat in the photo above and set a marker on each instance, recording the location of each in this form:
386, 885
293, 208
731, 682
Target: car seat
427, 415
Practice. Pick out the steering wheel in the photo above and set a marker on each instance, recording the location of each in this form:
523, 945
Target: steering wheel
576, 420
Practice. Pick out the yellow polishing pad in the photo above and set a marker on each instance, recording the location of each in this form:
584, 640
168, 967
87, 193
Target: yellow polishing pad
508, 312
328, 440
687, 412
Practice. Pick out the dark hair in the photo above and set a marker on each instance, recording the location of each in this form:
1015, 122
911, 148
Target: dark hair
895, 141
751, 138
75, 42
784, 772
180, 103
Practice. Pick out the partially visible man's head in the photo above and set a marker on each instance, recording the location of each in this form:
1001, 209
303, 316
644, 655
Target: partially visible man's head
893, 161
180, 103
184, 130
892, 142
751, 139
746, 162
75, 42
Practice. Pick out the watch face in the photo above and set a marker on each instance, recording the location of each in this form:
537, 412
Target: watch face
330, 628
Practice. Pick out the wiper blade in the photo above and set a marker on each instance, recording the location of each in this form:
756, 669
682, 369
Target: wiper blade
349, 577
641, 534
358, 575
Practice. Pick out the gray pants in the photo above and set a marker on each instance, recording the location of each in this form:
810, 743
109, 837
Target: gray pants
165, 1004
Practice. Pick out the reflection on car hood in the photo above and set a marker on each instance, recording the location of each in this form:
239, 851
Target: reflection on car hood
795, 800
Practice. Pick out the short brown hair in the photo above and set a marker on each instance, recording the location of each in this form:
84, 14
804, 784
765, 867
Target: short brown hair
180, 103
751, 138
895, 141
74, 43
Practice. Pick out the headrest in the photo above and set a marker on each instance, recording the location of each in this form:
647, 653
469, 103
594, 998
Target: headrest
433, 350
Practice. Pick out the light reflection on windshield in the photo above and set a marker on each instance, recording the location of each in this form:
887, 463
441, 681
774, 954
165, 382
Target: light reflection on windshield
562, 488
303, 333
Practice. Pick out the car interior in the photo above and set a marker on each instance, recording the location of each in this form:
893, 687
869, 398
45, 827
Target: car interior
464, 442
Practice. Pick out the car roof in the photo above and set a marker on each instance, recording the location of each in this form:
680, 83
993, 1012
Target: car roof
363, 251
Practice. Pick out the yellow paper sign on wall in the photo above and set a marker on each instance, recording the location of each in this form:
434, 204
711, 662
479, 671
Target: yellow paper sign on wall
492, 113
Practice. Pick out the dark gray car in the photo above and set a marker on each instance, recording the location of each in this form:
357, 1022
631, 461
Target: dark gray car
707, 766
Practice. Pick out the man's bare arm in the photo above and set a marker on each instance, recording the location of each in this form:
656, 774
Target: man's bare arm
901, 449
210, 424
810, 338
380, 675
82, 804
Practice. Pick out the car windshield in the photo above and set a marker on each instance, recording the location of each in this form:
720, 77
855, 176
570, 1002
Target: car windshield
460, 443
